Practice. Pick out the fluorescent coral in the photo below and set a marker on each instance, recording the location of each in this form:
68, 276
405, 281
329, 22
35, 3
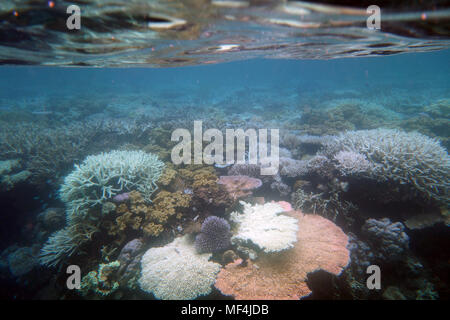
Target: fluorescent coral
321, 246
177, 272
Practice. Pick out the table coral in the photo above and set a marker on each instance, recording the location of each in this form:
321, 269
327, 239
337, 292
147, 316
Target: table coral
239, 186
321, 245
264, 227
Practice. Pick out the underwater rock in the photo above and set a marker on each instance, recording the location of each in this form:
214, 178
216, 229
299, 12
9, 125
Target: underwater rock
52, 219
7, 166
393, 293
321, 245
129, 258
214, 236
424, 220
22, 261
229, 256
8, 182
388, 240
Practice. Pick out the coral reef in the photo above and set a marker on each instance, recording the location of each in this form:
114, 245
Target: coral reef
63, 243
101, 282
239, 186
103, 176
406, 158
321, 245
265, 227
177, 272
214, 236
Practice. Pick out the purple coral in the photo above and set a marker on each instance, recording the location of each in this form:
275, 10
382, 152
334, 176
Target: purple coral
121, 197
387, 238
214, 236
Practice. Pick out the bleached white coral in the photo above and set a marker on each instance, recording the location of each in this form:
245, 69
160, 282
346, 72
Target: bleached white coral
352, 163
103, 176
406, 157
265, 227
177, 272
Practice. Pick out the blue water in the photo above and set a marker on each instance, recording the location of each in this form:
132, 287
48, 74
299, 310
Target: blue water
414, 72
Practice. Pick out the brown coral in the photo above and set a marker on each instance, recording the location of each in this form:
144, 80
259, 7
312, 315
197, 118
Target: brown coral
321, 245
167, 176
239, 186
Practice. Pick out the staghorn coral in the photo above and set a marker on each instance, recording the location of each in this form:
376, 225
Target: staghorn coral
64, 243
265, 227
214, 236
321, 245
352, 163
177, 272
293, 168
103, 176
407, 158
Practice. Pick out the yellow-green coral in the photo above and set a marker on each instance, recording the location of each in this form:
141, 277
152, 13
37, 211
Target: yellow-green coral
100, 282
167, 204
152, 229
167, 176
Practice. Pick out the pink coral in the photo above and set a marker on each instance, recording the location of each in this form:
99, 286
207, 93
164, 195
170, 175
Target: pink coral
239, 186
285, 205
321, 245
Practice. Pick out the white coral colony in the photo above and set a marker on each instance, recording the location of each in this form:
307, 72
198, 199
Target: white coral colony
265, 227
177, 272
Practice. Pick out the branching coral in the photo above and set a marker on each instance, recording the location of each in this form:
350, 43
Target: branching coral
63, 243
407, 158
103, 176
